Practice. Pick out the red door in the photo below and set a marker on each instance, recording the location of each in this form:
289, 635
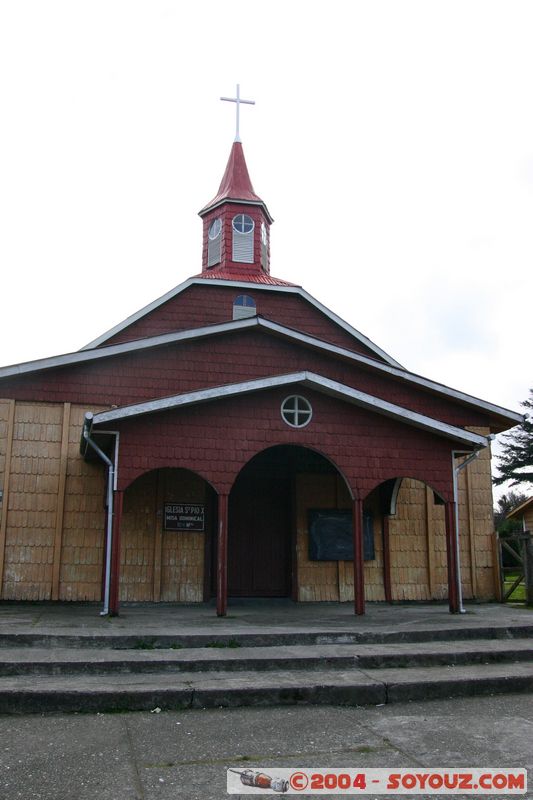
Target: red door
259, 540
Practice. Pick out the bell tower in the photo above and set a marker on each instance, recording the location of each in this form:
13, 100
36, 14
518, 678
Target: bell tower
236, 222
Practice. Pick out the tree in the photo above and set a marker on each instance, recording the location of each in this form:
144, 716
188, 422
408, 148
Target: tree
506, 503
516, 462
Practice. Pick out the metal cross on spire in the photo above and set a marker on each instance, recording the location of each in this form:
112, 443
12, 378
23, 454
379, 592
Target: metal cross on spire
238, 100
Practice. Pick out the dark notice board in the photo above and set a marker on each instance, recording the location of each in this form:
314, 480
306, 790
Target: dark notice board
331, 535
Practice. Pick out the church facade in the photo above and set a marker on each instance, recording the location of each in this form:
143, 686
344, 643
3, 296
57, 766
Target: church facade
235, 438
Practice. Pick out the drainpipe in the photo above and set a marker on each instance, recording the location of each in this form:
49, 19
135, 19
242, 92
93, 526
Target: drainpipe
456, 470
87, 425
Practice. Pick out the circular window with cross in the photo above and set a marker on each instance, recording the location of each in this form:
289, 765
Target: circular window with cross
296, 411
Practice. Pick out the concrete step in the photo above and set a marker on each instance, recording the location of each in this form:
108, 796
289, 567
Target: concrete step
226, 635
103, 661
354, 686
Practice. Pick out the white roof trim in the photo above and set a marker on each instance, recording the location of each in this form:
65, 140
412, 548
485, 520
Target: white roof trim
398, 372
139, 345
312, 381
83, 356
242, 285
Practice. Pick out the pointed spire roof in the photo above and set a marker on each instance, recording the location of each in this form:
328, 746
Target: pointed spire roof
236, 185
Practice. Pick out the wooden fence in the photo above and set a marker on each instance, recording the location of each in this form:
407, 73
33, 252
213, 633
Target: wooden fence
516, 567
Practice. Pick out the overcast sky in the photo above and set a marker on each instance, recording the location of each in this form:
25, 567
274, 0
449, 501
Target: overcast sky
391, 141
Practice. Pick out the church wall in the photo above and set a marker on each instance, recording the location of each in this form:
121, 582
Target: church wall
136, 377
51, 514
159, 565
418, 538
331, 580
52, 517
417, 545
84, 520
32, 499
479, 521
201, 305
217, 439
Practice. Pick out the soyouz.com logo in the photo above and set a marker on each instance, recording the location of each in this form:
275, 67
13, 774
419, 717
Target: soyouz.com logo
349, 781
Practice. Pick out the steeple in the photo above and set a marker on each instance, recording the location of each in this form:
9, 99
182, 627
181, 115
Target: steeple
236, 240
236, 184
236, 226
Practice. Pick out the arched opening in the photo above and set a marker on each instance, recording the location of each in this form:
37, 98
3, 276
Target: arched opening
411, 528
167, 528
270, 518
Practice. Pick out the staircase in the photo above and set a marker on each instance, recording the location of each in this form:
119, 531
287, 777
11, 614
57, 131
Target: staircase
54, 672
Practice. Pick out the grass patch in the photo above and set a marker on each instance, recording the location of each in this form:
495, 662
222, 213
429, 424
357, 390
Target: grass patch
144, 644
519, 594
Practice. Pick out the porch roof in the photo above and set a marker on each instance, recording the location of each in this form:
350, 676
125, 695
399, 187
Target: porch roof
308, 379
502, 418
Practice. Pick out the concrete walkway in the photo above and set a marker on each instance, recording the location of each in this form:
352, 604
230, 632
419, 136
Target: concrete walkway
252, 616
185, 754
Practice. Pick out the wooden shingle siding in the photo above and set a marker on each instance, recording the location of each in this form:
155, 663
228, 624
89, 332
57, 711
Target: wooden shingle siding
208, 305
52, 524
480, 515
31, 517
53, 513
331, 580
80, 574
206, 363
158, 565
182, 554
7, 424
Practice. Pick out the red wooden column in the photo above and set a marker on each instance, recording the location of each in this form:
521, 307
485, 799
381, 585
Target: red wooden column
451, 557
386, 559
222, 556
358, 558
118, 500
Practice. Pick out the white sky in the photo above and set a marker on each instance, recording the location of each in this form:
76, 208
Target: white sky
392, 142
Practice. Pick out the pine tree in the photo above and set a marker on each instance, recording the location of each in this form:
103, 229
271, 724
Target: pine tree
505, 504
516, 462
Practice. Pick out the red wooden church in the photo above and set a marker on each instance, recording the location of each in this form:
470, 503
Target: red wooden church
239, 439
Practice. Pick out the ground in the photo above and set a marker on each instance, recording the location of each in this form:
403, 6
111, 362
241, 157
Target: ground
184, 754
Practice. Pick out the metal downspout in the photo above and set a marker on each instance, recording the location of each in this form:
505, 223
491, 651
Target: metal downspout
456, 470
109, 532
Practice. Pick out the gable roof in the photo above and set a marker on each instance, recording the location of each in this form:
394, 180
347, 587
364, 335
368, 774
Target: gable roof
197, 281
140, 345
236, 184
520, 508
312, 381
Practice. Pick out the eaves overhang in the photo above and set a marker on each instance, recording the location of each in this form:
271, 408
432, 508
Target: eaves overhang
307, 379
139, 345
236, 201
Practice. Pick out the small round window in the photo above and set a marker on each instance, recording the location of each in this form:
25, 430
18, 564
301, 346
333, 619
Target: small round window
242, 223
296, 411
214, 229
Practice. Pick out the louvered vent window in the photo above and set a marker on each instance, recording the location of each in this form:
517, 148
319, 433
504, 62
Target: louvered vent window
244, 306
243, 239
264, 247
214, 239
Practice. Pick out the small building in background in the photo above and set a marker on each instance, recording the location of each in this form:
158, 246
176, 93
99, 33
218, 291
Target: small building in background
523, 513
